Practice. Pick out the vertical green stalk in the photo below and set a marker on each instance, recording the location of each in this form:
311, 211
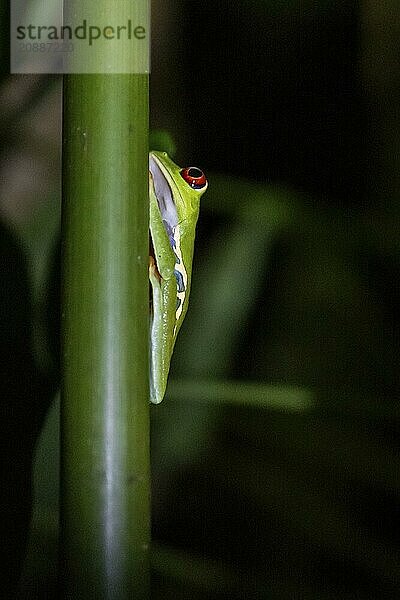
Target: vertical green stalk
105, 396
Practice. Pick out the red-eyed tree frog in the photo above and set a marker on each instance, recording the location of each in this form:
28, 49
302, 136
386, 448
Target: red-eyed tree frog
174, 208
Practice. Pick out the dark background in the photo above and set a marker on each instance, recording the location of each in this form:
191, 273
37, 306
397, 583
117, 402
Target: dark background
291, 108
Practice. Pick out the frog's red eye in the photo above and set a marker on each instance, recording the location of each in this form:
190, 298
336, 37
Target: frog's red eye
194, 177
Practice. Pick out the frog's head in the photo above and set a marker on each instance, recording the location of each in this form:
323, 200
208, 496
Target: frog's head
177, 190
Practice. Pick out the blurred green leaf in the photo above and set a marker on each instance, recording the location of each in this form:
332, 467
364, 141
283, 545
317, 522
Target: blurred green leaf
162, 140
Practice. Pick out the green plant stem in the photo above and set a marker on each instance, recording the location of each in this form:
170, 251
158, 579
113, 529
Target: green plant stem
105, 395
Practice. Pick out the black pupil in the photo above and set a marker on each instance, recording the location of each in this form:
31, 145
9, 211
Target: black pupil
195, 172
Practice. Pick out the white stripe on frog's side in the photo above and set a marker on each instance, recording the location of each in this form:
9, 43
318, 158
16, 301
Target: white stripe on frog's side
180, 273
